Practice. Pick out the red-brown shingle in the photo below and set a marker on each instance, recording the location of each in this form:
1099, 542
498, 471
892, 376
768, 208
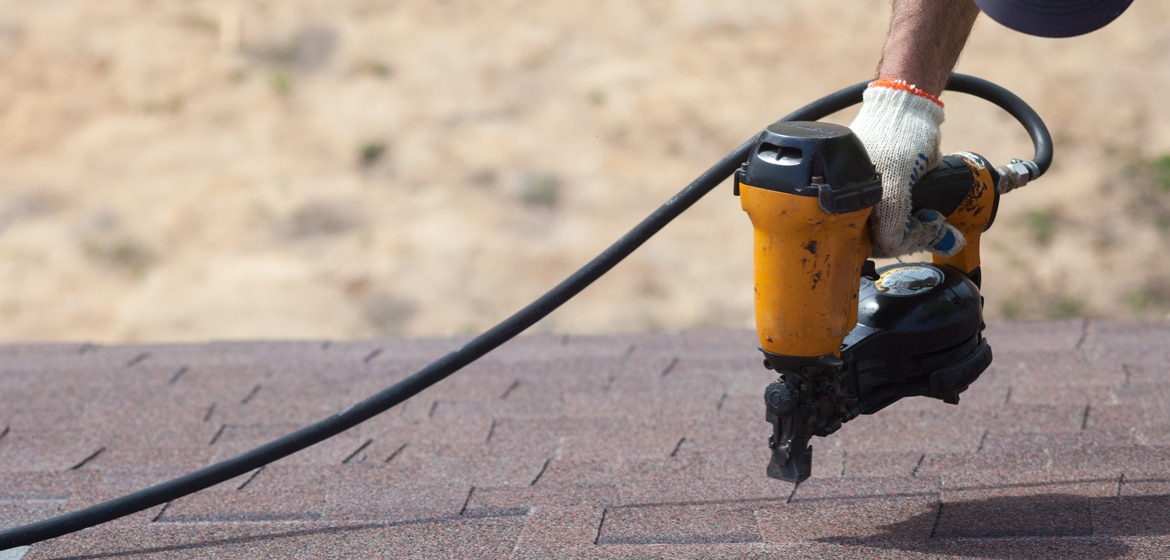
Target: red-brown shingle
616, 446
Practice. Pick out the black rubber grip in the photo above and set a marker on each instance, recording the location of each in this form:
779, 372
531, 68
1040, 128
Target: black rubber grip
944, 188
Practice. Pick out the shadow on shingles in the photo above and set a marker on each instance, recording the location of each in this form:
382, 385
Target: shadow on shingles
243, 539
1037, 526
211, 543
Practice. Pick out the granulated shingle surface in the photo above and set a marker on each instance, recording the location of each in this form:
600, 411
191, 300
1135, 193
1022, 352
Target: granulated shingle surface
618, 446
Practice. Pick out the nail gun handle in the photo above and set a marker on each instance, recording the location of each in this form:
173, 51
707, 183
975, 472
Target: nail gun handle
962, 188
945, 187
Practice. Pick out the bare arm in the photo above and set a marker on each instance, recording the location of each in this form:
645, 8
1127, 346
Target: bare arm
926, 37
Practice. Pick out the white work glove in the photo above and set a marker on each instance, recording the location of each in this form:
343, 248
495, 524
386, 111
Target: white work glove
899, 125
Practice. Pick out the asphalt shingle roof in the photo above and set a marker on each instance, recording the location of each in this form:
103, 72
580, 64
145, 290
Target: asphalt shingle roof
627, 446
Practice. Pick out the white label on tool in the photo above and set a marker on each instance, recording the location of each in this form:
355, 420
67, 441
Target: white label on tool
909, 280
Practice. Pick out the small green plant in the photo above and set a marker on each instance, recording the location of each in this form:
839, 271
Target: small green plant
1147, 190
540, 189
1042, 224
376, 68
597, 98
282, 82
1011, 308
1139, 300
1064, 307
371, 152
1161, 167
122, 254
1150, 297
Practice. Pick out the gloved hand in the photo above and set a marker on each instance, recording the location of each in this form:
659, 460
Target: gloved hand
899, 125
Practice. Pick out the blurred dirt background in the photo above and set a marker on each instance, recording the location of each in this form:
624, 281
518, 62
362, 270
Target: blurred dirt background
261, 169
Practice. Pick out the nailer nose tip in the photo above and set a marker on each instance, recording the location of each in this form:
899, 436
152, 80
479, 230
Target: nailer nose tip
794, 467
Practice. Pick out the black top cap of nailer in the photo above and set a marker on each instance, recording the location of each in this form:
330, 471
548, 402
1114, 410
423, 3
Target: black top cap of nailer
819, 159
1054, 18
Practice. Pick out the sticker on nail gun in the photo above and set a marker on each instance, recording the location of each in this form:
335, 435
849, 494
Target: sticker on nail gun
909, 280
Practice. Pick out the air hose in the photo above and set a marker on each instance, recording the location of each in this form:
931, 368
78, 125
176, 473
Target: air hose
506, 330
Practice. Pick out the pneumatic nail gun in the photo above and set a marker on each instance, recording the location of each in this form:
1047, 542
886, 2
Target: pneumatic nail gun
848, 338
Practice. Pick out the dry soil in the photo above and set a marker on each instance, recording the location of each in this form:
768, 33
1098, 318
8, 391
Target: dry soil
321, 169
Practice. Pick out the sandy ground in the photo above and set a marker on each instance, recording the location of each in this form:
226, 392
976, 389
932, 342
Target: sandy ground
194, 170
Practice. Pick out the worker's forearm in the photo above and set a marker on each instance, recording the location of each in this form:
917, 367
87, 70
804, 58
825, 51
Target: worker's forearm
926, 37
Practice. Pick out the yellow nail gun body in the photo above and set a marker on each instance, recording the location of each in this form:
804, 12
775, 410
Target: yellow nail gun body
845, 338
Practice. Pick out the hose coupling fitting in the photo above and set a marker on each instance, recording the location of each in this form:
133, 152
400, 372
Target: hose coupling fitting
1015, 175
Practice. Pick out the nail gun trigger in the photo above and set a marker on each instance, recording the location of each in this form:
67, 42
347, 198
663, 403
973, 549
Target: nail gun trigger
869, 270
